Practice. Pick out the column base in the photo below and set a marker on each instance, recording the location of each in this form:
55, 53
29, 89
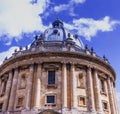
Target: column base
100, 112
29, 111
64, 110
36, 109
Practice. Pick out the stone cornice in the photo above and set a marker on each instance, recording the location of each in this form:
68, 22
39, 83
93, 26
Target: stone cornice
57, 56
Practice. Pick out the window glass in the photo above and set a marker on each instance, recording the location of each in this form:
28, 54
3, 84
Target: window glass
23, 82
50, 99
105, 105
80, 80
81, 101
51, 77
102, 85
20, 101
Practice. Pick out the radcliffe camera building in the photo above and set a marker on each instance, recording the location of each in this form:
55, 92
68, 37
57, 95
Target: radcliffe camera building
57, 74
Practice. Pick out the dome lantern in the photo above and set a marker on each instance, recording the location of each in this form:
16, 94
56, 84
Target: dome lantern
57, 23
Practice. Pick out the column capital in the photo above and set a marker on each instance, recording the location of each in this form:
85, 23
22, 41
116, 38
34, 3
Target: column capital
95, 69
39, 67
40, 62
109, 78
31, 67
89, 69
95, 72
16, 68
72, 65
63, 62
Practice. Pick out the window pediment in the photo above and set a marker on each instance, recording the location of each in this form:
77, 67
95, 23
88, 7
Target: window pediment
51, 66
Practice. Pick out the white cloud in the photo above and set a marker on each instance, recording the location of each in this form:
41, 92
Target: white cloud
7, 53
70, 6
61, 7
88, 27
17, 16
78, 1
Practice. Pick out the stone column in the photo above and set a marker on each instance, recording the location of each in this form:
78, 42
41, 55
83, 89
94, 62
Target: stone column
97, 92
7, 92
116, 100
111, 102
13, 91
73, 87
38, 88
29, 88
90, 90
114, 97
64, 91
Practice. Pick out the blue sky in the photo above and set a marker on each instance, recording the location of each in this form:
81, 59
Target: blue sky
97, 22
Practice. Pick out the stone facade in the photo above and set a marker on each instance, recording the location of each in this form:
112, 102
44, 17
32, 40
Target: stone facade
81, 83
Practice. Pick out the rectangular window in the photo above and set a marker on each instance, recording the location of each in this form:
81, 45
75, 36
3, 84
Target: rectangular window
105, 105
51, 99
23, 82
3, 87
80, 81
81, 101
51, 77
20, 102
102, 85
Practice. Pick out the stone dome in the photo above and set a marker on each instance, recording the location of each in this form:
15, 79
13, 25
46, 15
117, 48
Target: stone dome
58, 33
57, 76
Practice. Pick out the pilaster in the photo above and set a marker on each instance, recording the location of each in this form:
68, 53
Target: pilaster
90, 90
13, 90
29, 87
64, 91
114, 97
73, 87
97, 92
38, 87
111, 102
7, 92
